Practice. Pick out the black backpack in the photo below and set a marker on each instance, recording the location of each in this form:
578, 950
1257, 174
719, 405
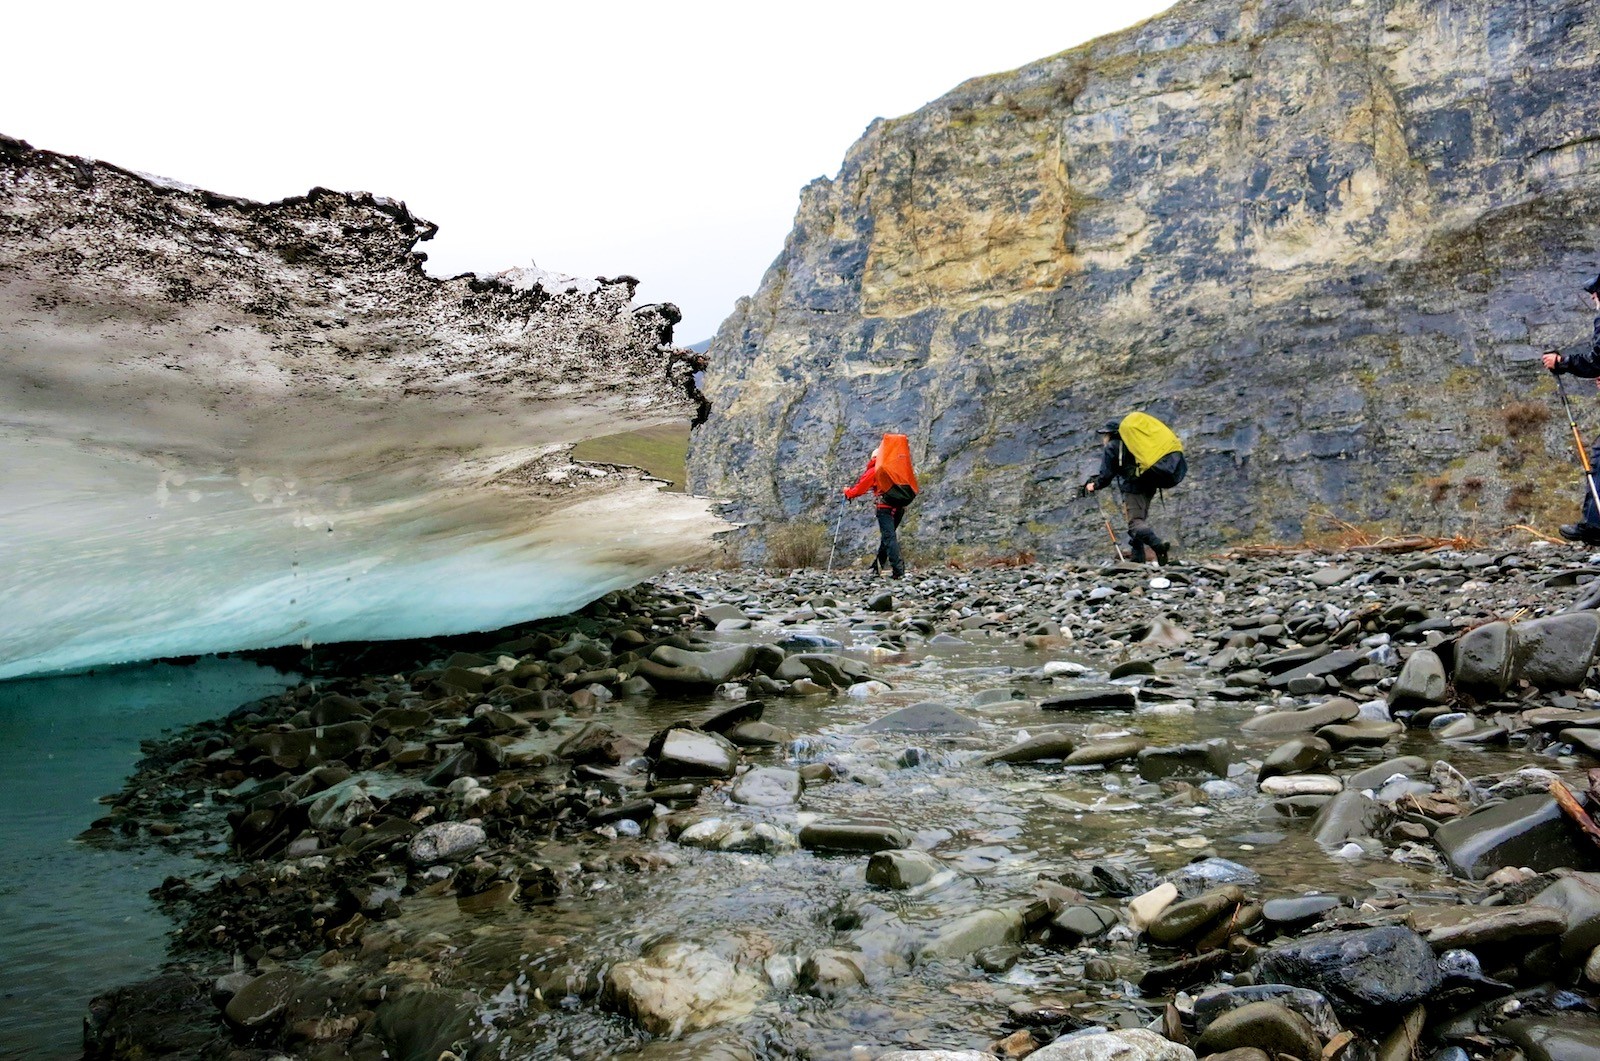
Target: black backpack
1167, 472
899, 495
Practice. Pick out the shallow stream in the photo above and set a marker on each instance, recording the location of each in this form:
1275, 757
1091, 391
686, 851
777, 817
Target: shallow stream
998, 827
76, 919
79, 921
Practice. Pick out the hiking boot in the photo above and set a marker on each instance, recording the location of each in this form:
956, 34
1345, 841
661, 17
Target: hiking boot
1163, 550
899, 572
1586, 533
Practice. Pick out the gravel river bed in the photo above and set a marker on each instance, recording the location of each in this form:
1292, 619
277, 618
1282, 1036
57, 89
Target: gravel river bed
1274, 803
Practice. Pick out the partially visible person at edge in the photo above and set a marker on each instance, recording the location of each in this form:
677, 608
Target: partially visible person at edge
1117, 462
1584, 363
888, 518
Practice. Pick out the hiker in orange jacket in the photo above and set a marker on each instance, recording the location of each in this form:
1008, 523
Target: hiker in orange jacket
888, 517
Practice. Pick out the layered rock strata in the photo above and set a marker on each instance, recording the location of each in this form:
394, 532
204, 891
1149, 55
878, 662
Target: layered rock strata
236, 424
1323, 240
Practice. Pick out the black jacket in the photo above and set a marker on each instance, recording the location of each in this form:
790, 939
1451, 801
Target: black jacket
1117, 463
1585, 363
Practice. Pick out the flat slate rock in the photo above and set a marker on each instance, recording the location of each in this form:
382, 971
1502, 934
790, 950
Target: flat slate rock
851, 835
1294, 657
1300, 909
1092, 700
1367, 733
1587, 739
1310, 1005
693, 753
1199, 760
1449, 927
922, 718
1304, 720
1102, 752
1035, 748
1545, 718
1373, 777
1558, 1037
1185, 972
1332, 663
729, 717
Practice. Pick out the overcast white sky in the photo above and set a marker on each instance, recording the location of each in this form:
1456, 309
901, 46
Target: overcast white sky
664, 140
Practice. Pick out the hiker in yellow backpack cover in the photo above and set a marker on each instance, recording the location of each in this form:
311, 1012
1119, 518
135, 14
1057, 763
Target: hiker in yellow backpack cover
890, 477
1144, 456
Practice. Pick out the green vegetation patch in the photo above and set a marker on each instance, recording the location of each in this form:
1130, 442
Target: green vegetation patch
661, 451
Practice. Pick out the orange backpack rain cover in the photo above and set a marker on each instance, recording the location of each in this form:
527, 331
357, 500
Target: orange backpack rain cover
894, 464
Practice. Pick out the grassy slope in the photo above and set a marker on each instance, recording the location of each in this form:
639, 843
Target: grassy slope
661, 451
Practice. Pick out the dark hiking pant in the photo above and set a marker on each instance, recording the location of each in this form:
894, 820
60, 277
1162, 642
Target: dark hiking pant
1140, 533
889, 541
1591, 517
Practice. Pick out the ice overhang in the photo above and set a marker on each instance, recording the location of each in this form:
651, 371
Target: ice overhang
229, 424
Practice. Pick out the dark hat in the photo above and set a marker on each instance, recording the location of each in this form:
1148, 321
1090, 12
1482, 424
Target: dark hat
1111, 427
1594, 286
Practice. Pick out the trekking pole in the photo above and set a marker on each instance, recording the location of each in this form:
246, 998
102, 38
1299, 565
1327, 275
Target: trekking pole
1109, 532
837, 523
1583, 452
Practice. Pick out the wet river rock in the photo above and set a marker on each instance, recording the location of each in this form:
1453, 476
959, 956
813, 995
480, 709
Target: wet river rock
1361, 973
676, 987
1527, 831
1263, 1025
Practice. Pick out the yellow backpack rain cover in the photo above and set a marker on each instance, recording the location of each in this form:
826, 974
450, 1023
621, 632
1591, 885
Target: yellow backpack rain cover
1148, 439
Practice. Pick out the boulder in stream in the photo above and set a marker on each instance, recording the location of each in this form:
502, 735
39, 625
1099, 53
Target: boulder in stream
692, 753
902, 868
1527, 831
1422, 680
973, 932
767, 786
1264, 1025
1556, 651
677, 987
922, 718
853, 835
1364, 973
446, 842
1134, 1044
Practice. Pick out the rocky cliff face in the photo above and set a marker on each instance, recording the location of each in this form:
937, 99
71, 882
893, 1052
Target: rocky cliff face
231, 424
1322, 239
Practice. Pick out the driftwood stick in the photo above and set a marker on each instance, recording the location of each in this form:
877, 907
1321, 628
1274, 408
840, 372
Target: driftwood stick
1573, 809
